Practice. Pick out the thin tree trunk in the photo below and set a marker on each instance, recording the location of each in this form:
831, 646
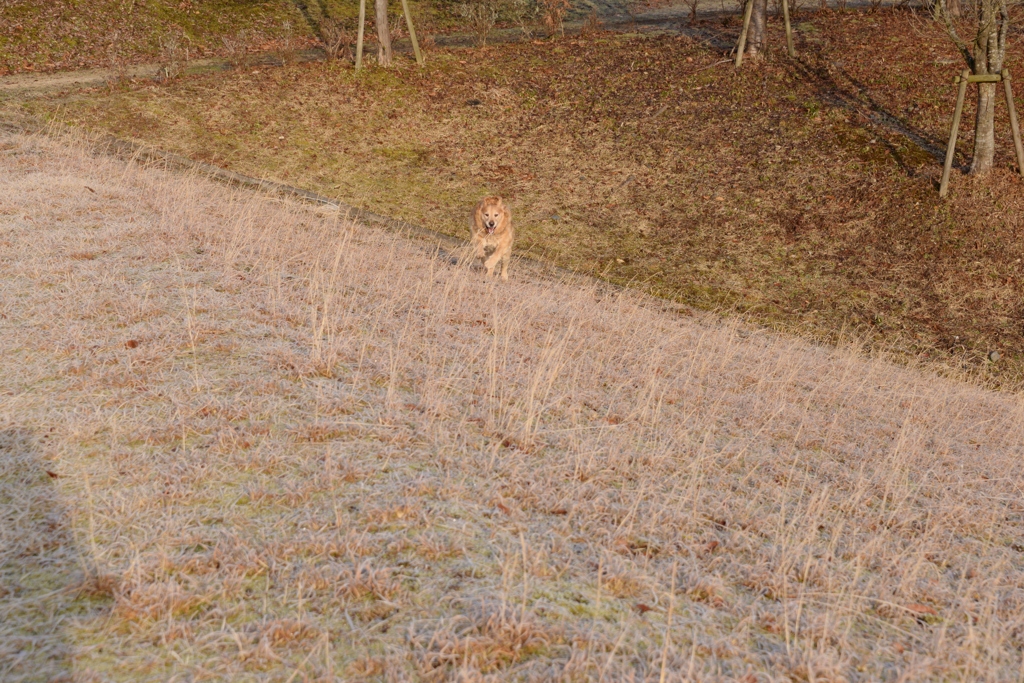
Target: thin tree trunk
383, 33
988, 59
984, 130
756, 36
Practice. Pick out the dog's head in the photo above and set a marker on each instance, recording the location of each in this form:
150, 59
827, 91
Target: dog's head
491, 213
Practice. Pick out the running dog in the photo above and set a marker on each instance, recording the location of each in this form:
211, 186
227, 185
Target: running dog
491, 226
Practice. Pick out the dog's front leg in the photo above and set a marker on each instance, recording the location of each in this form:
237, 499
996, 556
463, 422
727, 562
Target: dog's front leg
491, 262
478, 251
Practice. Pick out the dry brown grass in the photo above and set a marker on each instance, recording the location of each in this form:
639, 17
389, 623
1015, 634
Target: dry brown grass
246, 440
647, 161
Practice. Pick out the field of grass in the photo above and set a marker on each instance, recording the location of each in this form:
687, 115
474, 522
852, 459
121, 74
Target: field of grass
244, 439
772, 191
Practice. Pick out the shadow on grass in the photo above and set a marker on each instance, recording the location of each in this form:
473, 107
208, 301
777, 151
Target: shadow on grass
857, 99
836, 87
42, 575
312, 21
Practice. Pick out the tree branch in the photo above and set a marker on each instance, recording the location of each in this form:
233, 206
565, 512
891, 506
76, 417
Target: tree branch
954, 36
1004, 29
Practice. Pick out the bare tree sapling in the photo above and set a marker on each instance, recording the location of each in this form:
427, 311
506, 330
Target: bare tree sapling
984, 56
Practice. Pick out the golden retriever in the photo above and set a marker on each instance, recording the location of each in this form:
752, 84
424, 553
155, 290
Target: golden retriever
491, 227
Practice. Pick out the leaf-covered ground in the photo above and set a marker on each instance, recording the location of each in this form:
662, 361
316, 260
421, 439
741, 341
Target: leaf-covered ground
48, 35
801, 193
64, 35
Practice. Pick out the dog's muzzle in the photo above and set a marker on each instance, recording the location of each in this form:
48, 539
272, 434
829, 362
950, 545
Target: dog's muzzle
490, 227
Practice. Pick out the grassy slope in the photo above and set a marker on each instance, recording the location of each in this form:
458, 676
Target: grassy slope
44, 35
241, 440
49, 35
766, 191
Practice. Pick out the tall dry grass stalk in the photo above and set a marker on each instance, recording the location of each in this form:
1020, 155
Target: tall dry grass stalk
242, 438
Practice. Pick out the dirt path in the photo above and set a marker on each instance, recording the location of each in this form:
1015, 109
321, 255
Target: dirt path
29, 85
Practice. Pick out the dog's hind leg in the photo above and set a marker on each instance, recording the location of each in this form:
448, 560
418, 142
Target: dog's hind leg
504, 266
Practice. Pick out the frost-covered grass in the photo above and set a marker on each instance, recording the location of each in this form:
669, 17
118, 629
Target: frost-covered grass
246, 439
